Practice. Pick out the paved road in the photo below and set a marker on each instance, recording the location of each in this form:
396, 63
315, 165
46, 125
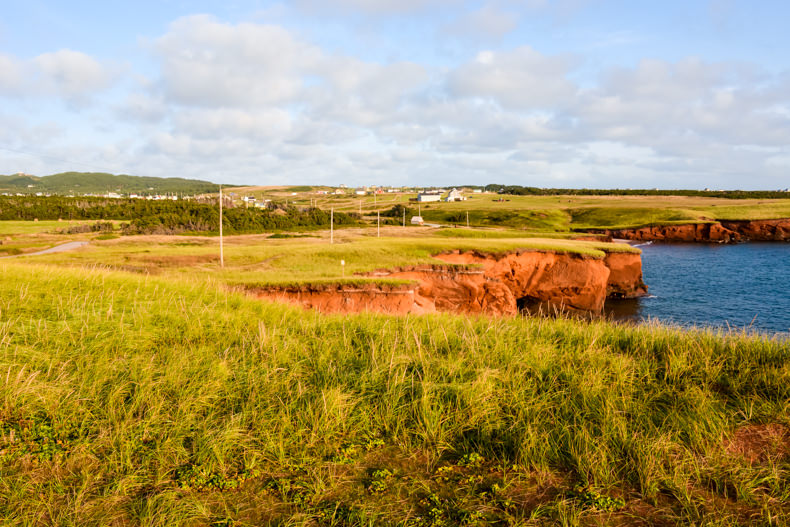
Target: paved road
57, 249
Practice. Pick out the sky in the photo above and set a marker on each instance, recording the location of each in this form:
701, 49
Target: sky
548, 93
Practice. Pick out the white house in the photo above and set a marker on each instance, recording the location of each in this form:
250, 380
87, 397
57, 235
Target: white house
429, 195
417, 220
455, 195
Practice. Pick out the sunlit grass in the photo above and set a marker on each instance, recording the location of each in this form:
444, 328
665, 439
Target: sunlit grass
8, 228
162, 401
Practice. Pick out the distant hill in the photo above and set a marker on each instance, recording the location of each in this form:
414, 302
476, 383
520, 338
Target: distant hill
80, 183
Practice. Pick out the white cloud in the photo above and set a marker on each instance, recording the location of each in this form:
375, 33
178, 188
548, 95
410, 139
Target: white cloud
208, 63
222, 123
68, 74
376, 7
72, 73
487, 22
11, 76
261, 103
521, 79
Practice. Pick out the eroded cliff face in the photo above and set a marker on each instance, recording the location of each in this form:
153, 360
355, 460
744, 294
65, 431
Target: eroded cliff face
341, 298
726, 231
761, 230
498, 285
625, 276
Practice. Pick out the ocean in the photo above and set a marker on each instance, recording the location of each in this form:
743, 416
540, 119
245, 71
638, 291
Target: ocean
738, 286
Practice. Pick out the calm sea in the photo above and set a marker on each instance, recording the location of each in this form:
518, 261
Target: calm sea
744, 285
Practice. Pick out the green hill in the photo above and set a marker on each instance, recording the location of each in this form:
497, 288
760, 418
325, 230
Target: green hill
100, 183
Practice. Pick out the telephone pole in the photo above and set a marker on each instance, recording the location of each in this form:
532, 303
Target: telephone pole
221, 248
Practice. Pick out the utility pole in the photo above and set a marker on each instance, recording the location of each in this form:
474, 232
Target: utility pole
332, 225
221, 248
378, 224
404, 216
467, 219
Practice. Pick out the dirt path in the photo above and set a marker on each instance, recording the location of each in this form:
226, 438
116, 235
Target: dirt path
57, 249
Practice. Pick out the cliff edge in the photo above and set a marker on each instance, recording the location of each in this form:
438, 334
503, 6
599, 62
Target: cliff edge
724, 231
477, 282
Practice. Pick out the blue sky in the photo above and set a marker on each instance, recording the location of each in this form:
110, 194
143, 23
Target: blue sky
562, 93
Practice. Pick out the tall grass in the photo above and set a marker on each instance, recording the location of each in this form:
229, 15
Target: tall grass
138, 400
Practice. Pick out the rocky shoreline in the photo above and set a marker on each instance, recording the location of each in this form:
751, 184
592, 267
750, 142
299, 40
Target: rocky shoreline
724, 231
481, 283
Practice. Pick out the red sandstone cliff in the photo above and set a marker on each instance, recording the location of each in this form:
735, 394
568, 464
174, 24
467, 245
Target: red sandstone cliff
760, 230
726, 231
498, 284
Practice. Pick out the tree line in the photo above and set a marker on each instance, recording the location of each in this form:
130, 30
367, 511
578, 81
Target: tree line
169, 217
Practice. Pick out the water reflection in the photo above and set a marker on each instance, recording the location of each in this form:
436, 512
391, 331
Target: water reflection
624, 309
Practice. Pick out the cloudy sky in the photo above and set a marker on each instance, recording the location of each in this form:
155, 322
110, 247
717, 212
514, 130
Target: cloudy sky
557, 93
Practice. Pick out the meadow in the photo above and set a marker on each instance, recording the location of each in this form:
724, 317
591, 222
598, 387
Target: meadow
564, 213
138, 400
141, 388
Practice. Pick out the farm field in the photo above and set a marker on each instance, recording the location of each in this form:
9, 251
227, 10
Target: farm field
542, 213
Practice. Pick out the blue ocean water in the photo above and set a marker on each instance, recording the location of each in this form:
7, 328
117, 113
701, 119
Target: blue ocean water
739, 286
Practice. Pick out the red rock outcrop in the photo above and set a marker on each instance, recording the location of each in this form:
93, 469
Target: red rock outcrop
345, 298
726, 231
496, 284
545, 279
625, 276
761, 230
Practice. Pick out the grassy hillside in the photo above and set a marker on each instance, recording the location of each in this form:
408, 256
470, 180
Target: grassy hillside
131, 400
79, 183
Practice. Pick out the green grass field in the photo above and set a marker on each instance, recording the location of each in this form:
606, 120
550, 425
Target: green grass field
139, 400
544, 213
10, 228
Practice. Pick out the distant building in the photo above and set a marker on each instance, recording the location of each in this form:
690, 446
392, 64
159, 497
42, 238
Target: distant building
339, 191
417, 220
455, 195
361, 192
430, 195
